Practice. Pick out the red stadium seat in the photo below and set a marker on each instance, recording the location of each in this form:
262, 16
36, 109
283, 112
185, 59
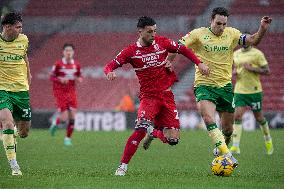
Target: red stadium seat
244, 7
111, 8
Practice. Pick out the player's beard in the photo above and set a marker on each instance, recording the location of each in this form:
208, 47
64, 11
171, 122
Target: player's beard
149, 42
15, 36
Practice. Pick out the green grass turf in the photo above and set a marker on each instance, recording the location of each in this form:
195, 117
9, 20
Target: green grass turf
92, 161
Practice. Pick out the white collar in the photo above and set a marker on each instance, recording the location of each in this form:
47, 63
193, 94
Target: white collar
139, 44
65, 62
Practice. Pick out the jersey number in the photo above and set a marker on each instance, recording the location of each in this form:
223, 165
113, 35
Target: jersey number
26, 113
176, 114
255, 105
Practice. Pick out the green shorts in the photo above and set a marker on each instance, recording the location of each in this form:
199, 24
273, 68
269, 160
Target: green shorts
222, 97
18, 103
252, 100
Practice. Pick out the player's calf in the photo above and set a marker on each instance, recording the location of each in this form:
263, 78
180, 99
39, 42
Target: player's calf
129, 150
148, 126
227, 135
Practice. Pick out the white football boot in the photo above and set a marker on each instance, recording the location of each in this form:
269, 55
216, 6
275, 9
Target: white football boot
121, 170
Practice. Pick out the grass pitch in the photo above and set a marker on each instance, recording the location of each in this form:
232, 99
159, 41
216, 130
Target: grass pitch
94, 157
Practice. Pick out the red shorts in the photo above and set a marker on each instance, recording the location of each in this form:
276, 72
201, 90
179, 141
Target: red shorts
65, 100
160, 110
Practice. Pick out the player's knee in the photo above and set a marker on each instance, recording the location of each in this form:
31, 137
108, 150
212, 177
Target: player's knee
173, 141
24, 134
24, 129
208, 119
71, 121
143, 124
8, 124
259, 118
228, 132
172, 135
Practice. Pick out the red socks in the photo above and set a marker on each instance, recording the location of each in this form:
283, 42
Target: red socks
132, 145
57, 121
70, 128
134, 141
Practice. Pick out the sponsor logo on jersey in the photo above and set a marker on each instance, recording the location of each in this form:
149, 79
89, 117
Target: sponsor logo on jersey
206, 37
10, 58
215, 48
150, 58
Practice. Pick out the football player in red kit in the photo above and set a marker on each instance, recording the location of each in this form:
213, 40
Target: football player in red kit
157, 106
65, 73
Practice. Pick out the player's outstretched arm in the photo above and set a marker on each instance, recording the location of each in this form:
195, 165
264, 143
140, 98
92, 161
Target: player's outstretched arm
109, 70
28, 69
256, 38
204, 69
172, 47
123, 57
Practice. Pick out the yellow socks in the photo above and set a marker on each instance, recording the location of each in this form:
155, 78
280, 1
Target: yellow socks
217, 138
9, 143
237, 133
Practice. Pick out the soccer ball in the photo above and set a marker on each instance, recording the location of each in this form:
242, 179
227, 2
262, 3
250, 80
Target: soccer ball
222, 166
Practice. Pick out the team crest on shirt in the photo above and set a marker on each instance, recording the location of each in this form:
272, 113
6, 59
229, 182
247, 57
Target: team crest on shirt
207, 37
138, 52
156, 47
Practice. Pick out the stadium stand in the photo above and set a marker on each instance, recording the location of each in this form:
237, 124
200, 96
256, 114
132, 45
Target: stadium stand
260, 7
111, 8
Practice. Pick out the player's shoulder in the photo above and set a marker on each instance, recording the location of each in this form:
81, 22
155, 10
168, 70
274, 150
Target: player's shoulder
238, 51
256, 51
23, 37
58, 62
232, 30
77, 62
128, 50
199, 30
130, 47
161, 39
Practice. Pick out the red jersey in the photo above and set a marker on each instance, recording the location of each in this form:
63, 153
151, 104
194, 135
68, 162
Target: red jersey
149, 63
68, 71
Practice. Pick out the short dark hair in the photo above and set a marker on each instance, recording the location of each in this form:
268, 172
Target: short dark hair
145, 21
68, 45
219, 10
11, 18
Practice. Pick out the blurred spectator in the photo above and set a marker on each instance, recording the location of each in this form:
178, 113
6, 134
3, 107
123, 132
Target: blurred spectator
264, 2
126, 104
